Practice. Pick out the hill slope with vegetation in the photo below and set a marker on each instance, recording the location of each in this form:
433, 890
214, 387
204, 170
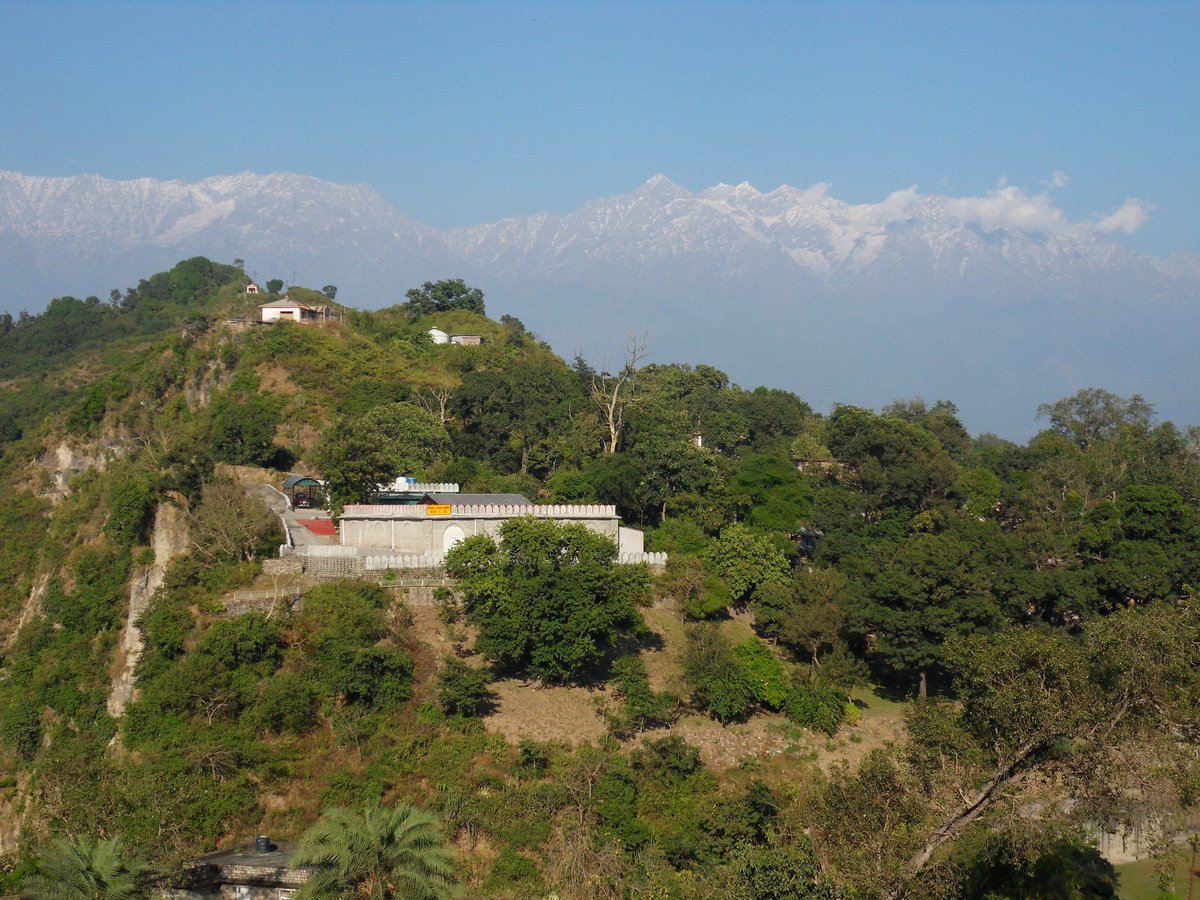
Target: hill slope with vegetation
1030, 611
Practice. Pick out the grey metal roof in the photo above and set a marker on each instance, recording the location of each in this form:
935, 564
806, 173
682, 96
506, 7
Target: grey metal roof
286, 303
477, 499
300, 479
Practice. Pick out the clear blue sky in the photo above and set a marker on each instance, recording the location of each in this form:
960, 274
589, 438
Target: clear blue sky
460, 113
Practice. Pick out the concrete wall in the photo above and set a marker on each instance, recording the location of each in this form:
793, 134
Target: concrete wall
630, 540
411, 530
277, 314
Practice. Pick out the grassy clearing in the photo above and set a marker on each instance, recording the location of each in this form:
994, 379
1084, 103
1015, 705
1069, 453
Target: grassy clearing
1139, 880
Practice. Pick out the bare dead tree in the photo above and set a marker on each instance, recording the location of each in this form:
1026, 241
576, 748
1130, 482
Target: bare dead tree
613, 394
436, 401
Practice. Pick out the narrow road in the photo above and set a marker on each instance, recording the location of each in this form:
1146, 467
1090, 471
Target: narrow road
301, 536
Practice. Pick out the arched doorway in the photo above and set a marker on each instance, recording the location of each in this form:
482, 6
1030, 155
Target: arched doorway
451, 536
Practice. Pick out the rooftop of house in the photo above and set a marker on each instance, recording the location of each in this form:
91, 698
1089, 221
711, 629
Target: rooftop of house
285, 303
249, 865
275, 858
440, 499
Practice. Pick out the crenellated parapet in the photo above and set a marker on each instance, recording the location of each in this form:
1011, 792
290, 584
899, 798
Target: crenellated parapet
482, 511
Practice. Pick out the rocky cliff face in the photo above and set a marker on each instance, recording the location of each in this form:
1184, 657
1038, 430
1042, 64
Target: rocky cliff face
170, 539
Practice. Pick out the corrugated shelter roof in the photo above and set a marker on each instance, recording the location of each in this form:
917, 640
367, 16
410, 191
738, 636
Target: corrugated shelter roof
476, 500
304, 480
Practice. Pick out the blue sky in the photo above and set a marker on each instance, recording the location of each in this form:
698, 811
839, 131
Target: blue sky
460, 113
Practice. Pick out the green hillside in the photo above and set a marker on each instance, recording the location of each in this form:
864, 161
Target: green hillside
882, 658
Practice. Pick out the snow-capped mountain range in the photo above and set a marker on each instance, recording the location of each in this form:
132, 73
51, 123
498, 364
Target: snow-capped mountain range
996, 302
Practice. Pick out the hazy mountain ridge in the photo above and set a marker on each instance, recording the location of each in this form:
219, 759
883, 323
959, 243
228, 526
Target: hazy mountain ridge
919, 293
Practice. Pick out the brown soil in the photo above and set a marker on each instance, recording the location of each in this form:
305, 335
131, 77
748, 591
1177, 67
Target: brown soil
767, 743
275, 380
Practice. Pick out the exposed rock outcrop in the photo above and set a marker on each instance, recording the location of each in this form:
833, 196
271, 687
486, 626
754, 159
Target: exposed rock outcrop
170, 539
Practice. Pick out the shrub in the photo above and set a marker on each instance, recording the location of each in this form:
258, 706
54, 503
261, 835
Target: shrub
532, 757
379, 677
23, 728
463, 689
244, 640
764, 673
718, 681
512, 870
774, 871
698, 593
131, 501
285, 704
449, 607
817, 707
670, 759
643, 707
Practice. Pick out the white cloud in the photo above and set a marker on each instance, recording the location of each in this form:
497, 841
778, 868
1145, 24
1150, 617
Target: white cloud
1129, 218
1004, 207
1010, 207
898, 206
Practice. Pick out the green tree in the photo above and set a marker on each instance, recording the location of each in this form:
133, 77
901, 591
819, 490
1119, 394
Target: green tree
243, 429
746, 560
83, 868
1094, 414
549, 598
381, 853
896, 461
1106, 719
358, 454
274, 285
230, 525
771, 493
330, 291
442, 296
464, 689
774, 416
516, 417
906, 598
718, 680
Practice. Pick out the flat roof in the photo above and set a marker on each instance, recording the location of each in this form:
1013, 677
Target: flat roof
476, 499
248, 856
285, 303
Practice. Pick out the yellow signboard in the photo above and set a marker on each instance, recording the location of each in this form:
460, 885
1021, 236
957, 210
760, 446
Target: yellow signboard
437, 509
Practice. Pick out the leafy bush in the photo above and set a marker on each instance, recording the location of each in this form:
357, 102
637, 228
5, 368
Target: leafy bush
285, 704
644, 708
131, 502
775, 871
718, 680
448, 606
378, 677
23, 728
669, 759
165, 625
463, 689
817, 707
244, 640
511, 870
698, 593
243, 429
549, 598
763, 672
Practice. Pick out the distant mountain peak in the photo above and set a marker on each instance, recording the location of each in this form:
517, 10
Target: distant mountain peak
998, 302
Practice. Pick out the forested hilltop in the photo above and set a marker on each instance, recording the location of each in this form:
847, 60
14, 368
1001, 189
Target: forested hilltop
885, 658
